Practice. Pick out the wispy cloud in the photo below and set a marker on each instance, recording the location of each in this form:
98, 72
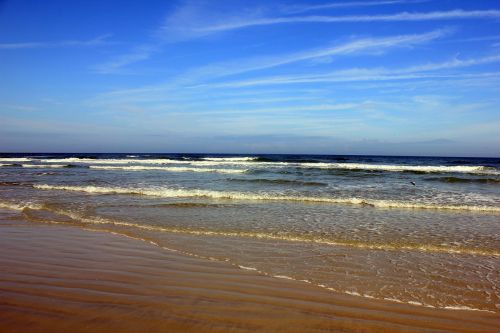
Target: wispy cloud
293, 9
454, 63
98, 41
403, 16
139, 53
188, 19
377, 74
358, 46
196, 19
198, 77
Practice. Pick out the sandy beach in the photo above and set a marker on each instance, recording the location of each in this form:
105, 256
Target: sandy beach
57, 278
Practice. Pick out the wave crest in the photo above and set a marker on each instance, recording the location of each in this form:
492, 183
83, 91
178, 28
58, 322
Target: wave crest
186, 193
170, 169
404, 168
230, 159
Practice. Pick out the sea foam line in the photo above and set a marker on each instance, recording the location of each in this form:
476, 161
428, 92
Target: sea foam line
403, 168
44, 165
230, 159
170, 169
175, 193
114, 161
20, 206
15, 159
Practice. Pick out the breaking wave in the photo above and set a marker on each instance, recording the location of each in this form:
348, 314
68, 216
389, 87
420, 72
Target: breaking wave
187, 193
230, 159
170, 169
15, 159
20, 206
405, 168
114, 161
264, 162
46, 166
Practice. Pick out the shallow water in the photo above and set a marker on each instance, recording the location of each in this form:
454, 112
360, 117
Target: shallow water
423, 231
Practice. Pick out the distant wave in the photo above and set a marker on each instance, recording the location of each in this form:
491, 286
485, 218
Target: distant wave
207, 161
46, 166
15, 159
113, 161
170, 169
230, 159
186, 193
264, 162
278, 182
402, 168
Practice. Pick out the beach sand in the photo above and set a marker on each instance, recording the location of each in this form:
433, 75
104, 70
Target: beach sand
56, 278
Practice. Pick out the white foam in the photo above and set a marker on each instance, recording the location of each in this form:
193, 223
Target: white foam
402, 168
15, 159
252, 161
246, 163
113, 161
170, 169
208, 161
247, 268
44, 165
19, 206
229, 159
465, 308
174, 193
66, 160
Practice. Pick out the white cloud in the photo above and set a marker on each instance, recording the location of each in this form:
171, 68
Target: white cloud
377, 74
233, 24
358, 46
307, 8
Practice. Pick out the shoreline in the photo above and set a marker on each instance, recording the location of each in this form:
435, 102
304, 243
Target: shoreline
60, 278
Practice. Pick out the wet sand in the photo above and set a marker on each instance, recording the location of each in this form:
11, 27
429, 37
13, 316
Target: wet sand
56, 278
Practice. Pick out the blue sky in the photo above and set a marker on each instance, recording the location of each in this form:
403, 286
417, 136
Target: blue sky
398, 77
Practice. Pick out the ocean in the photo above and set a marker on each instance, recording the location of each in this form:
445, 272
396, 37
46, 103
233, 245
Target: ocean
417, 230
